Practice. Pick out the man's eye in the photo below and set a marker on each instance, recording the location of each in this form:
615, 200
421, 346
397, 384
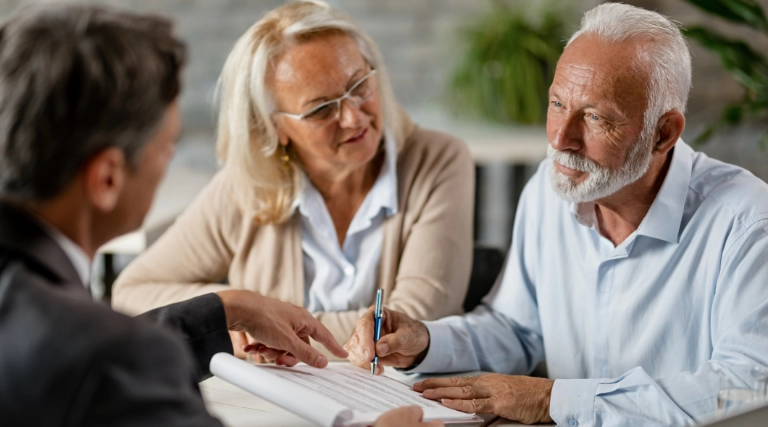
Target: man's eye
557, 103
594, 117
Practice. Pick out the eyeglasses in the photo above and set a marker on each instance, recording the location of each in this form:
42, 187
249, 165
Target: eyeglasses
329, 111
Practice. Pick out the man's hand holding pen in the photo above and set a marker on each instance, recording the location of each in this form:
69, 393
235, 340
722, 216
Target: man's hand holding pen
378, 313
403, 343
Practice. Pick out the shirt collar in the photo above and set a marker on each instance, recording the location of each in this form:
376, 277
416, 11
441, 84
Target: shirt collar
665, 216
383, 194
75, 253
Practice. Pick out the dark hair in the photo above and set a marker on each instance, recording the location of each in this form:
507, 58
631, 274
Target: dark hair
75, 80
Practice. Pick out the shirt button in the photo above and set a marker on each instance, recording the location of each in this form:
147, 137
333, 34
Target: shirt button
349, 270
573, 423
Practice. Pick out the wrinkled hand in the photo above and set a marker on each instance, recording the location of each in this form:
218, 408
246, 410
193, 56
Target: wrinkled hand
407, 416
519, 398
403, 341
281, 329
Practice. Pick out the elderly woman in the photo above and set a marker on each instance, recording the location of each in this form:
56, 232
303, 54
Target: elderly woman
327, 192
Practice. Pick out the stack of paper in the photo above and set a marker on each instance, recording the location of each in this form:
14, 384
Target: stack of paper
337, 396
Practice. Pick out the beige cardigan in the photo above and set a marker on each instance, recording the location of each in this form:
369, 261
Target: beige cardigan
426, 251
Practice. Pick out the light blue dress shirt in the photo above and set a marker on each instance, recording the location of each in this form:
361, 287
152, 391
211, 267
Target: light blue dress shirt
342, 278
644, 333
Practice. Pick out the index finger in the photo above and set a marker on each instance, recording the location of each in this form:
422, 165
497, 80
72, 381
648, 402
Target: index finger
321, 334
432, 383
306, 353
361, 342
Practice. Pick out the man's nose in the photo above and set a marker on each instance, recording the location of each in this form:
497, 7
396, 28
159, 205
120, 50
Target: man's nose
566, 133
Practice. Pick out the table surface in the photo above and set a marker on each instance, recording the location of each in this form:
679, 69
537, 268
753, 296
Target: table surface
238, 408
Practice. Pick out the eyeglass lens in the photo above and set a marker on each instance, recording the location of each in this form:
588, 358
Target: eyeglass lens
329, 111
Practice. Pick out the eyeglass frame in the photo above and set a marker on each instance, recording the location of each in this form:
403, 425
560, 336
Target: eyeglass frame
337, 101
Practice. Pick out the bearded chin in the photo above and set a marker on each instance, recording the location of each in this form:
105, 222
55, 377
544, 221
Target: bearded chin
601, 182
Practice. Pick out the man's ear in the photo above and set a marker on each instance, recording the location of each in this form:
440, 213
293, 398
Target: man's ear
668, 131
104, 177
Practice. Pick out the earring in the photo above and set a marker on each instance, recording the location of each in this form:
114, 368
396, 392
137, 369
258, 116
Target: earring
285, 158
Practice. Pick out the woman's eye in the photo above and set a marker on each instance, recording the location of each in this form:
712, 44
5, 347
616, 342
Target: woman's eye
320, 112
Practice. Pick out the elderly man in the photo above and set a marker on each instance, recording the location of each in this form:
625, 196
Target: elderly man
637, 268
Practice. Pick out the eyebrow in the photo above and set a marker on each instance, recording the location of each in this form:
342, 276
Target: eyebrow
323, 98
600, 104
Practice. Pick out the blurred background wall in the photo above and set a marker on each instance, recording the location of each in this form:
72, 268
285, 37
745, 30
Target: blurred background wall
422, 41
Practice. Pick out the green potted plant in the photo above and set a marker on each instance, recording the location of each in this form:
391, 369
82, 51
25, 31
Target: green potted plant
508, 66
747, 66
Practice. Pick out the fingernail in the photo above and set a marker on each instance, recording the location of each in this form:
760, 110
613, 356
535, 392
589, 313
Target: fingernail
382, 348
321, 361
367, 355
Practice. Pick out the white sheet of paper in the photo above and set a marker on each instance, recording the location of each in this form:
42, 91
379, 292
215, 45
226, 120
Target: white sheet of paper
335, 396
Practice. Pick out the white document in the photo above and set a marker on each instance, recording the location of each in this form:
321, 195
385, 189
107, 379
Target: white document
336, 396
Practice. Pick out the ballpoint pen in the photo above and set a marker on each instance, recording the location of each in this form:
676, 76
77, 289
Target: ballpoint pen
377, 328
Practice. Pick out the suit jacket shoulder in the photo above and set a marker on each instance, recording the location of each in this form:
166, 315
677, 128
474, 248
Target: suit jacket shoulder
69, 361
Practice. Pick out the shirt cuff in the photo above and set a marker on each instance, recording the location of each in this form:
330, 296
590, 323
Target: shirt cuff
572, 402
438, 355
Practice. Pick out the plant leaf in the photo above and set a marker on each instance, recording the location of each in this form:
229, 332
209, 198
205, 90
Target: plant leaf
763, 142
747, 12
507, 66
745, 65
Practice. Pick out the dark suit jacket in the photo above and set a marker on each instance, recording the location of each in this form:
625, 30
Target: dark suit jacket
66, 360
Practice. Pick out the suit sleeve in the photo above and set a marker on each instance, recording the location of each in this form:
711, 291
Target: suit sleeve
202, 323
142, 377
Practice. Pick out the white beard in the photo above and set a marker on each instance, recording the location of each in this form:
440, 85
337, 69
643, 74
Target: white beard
601, 181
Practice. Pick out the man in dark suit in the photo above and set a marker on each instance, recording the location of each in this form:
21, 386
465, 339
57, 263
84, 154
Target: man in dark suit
88, 123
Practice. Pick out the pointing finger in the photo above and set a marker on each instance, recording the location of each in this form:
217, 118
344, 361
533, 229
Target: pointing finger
305, 353
321, 334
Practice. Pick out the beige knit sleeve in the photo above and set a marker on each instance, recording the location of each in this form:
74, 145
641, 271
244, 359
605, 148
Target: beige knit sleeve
188, 259
435, 258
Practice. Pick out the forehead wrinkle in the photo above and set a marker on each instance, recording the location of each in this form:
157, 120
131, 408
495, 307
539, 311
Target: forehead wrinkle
318, 68
604, 73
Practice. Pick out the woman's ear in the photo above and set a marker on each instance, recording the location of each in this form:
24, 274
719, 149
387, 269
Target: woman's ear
104, 177
282, 137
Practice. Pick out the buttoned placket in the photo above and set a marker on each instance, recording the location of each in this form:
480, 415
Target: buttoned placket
605, 284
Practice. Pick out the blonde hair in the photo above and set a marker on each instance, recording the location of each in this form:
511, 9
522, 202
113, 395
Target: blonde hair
247, 141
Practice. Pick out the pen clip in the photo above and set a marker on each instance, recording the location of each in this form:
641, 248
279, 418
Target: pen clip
379, 303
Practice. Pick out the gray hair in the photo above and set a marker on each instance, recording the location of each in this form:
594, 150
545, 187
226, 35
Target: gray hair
669, 61
75, 80
247, 138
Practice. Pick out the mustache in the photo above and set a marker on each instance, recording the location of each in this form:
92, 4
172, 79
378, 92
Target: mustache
573, 161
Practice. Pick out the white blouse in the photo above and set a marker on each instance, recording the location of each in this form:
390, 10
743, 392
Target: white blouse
345, 278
